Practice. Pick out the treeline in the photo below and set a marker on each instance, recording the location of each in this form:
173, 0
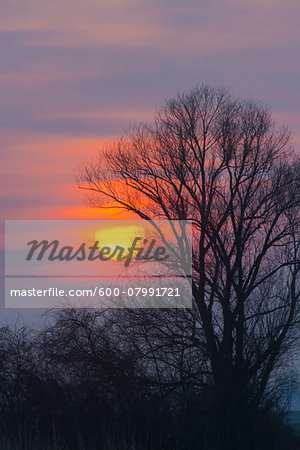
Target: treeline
124, 380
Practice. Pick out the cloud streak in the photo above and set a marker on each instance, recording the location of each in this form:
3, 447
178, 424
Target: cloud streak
76, 72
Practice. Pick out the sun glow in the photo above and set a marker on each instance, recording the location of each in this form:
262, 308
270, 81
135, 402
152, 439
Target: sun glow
122, 236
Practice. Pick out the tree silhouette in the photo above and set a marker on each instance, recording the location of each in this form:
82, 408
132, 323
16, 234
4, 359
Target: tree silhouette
221, 163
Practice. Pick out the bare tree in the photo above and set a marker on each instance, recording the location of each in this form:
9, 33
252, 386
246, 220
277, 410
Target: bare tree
223, 164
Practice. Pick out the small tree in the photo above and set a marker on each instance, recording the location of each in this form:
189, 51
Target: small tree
221, 163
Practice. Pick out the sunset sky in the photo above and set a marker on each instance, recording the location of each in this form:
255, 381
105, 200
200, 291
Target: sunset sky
74, 74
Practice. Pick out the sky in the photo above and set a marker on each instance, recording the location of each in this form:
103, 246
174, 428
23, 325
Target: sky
75, 74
